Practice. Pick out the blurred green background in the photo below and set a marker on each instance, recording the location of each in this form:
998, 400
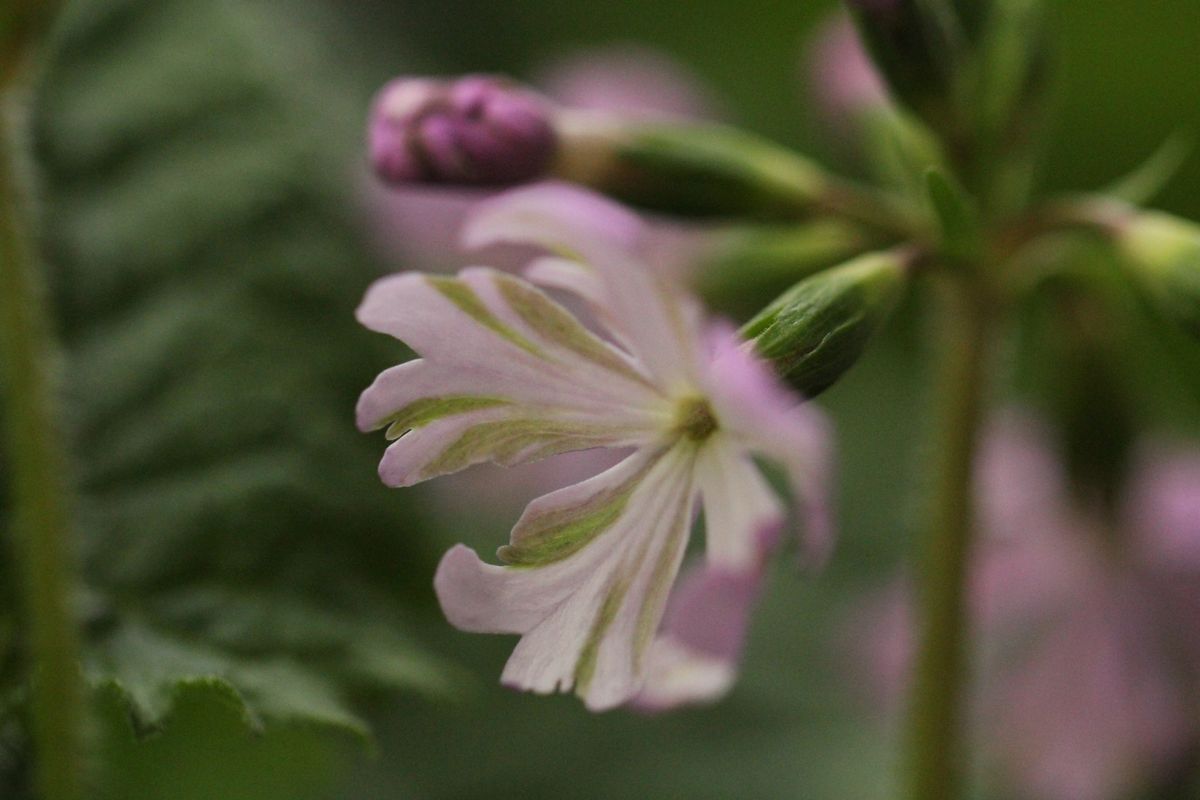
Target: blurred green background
202, 216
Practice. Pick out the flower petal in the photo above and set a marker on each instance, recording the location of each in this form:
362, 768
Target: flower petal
645, 308
508, 375
753, 405
590, 569
694, 659
569, 276
448, 445
1163, 511
742, 516
567, 221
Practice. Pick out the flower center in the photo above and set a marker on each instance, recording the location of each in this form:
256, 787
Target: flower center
694, 419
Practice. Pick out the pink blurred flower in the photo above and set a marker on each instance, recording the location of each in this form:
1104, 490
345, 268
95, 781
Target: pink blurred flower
844, 84
629, 79
1088, 636
505, 375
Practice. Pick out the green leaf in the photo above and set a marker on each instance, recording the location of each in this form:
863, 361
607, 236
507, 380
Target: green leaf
148, 669
206, 269
361, 653
205, 751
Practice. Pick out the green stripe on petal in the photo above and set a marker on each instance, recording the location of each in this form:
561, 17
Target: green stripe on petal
562, 532
585, 667
661, 581
469, 303
504, 441
427, 409
553, 324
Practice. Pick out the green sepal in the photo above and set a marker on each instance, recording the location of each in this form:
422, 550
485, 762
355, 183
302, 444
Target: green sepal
1162, 253
692, 170
1012, 69
820, 327
917, 45
956, 215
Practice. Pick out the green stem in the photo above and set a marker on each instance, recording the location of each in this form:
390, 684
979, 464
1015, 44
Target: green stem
40, 522
936, 753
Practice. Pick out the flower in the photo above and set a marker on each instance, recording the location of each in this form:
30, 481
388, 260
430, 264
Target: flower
627, 79
1089, 651
845, 85
507, 375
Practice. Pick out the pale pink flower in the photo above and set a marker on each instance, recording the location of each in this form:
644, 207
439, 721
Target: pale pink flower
844, 82
1087, 632
507, 375
629, 79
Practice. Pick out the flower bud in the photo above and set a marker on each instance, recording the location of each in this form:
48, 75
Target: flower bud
820, 327
693, 170
477, 130
743, 268
1163, 253
915, 47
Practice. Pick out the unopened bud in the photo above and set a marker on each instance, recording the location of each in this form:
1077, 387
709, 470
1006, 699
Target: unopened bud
692, 170
476, 130
915, 47
1163, 253
820, 327
743, 268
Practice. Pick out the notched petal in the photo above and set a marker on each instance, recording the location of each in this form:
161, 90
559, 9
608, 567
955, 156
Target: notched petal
590, 569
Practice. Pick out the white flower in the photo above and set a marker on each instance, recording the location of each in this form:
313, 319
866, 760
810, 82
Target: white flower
507, 375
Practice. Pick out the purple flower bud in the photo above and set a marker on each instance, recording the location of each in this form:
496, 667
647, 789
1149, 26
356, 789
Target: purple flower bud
478, 130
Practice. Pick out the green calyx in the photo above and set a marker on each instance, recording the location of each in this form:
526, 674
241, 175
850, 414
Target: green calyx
819, 328
691, 170
1163, 254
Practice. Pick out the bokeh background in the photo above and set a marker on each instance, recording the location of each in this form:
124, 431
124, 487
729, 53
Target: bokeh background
208, 221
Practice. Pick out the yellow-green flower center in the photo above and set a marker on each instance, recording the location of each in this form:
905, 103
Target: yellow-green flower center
694, 419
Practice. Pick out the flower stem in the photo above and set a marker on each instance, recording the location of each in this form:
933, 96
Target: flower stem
40, 521
936, 754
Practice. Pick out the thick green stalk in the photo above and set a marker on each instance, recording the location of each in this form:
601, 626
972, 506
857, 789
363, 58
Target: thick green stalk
40, 521
936, 754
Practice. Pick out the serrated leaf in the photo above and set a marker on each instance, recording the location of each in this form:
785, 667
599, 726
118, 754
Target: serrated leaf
364, 653
149, 668
205, 751
205, 276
